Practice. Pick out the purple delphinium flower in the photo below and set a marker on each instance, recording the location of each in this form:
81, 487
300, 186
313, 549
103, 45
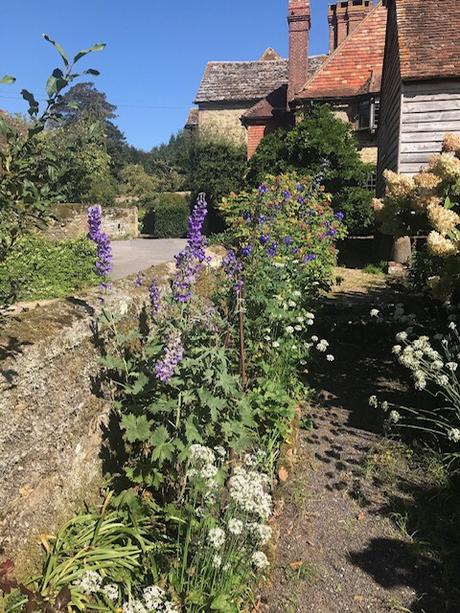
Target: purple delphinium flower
263, 239
300, 200
339, 215
287, 195
154, 297
310, 257
173, 354
294, 250
190, 260
261, 220
299, 187
263, 189
233, 268
103, 246
247, 216
331, 232
246, 251
139, 280
288, 240
271, 249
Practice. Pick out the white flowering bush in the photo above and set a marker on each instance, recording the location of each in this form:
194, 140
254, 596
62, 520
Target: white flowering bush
428, 203
433, 364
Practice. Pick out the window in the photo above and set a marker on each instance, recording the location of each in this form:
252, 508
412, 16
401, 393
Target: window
372, 181
368, 114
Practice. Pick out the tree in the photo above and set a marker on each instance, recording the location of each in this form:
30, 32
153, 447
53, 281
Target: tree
84, 102
322, 146
26, 179
216, 168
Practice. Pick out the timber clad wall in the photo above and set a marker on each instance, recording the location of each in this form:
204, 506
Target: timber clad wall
390, 109
430, 109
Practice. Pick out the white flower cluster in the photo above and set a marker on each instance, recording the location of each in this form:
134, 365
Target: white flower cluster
262, 533
202, 464
260, 560
247, 489
454, 435
154, 598
216, 537
89, 583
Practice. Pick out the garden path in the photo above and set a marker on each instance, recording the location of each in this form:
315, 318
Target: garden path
133, 256
339, 548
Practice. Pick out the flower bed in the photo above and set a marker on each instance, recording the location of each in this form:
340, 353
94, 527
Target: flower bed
203, 391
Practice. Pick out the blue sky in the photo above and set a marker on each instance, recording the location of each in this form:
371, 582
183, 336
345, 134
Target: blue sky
156, 51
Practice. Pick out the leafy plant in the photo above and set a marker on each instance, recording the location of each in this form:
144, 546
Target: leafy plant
25, 180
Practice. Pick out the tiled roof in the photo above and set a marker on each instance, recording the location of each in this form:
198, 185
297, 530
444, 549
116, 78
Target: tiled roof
429, 38
273, 104
192, 119
238, 81
355, 67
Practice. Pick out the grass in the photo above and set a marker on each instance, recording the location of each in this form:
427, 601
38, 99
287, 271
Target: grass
376, 269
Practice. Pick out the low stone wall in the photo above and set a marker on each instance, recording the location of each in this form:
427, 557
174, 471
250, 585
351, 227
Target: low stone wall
52, 415
70, 221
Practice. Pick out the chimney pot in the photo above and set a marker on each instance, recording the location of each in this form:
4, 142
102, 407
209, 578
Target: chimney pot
299, 22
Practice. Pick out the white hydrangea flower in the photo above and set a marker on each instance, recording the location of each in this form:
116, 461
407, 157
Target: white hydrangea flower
89, 583
216, 537
260, 560
111, 591
235, 526
373, 402
330, 357
454, 435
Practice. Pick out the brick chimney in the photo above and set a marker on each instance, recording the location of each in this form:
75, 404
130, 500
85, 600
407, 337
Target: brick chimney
344, 17
299, 27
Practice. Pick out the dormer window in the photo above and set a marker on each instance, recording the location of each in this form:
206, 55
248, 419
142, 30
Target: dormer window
368, 114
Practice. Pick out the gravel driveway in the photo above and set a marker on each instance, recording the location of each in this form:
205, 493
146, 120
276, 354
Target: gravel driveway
130, 257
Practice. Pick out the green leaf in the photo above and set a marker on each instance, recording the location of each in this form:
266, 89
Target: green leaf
137, 428
220, 603
92, 71
30, 99
140, 384
96, 47
448, 204
58, 48
7, 80
163, 447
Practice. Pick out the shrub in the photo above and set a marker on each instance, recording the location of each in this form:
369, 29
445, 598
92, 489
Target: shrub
320, 146
40, 268
429, 203
165, 215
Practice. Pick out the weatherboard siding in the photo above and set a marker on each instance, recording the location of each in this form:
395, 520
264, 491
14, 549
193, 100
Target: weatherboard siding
430, 109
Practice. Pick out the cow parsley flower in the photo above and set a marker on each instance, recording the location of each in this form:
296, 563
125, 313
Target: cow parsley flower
401, 336
322, 345
374, 313
452, 366
373, 402
111, 591
247, 490
330, 357
154, 597
395, 417
217, 561
454, 435
261, 532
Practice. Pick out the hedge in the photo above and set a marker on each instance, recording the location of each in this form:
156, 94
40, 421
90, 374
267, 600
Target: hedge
165, 215
40, 268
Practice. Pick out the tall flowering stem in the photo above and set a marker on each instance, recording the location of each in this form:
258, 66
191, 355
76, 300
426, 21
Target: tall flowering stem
173, 354
190, 260
154, 297
103, 246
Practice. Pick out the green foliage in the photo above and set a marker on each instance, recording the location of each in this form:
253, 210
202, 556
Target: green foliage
38, 268
165, 215
323, 146
27, 176
136, 182
376, 269
217, 169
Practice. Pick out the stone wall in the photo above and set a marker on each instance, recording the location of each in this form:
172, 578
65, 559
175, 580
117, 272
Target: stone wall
52, 415
223, 122
70, 221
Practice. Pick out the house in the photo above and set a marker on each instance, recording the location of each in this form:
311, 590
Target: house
245, 101
420, 100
